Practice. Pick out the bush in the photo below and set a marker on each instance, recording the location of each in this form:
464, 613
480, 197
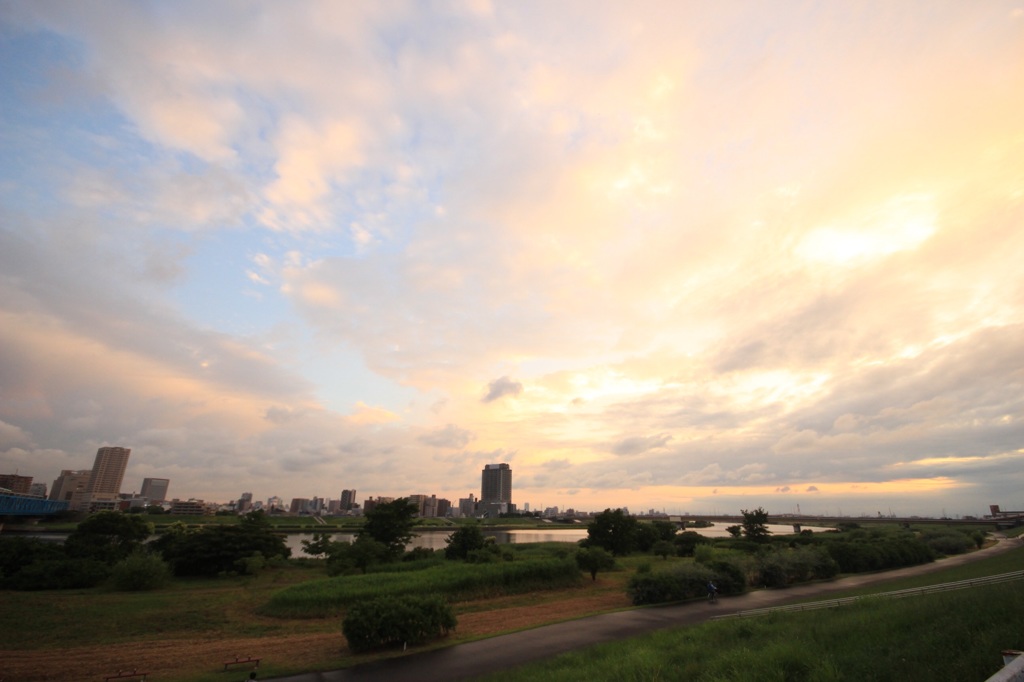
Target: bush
60, 574
388, 621
139, 572
683, 582
686, 581
594, 559
948, 542
251, 565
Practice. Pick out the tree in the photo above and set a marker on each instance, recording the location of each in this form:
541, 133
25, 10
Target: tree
391, 525
613, 531
663, 548
734, 531
217, 549
319, 546
687, 541
463, 541
755, 525
363, 553
594, 559
107, 536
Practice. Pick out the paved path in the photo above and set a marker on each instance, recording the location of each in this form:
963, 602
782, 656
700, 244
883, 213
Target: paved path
475, 659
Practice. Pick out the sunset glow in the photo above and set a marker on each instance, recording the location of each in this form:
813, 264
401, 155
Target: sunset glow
691, 257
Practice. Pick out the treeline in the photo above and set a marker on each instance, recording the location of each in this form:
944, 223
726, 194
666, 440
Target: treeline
115, 548
752, 558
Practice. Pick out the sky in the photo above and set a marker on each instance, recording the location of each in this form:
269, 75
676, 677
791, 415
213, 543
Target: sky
694, 257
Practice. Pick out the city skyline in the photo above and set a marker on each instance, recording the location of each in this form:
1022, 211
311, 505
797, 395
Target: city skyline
681, 256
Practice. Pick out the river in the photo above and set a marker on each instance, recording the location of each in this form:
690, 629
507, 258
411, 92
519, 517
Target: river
436, 539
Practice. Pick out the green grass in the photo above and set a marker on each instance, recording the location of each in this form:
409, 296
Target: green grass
227, 607
947, 636
327, 597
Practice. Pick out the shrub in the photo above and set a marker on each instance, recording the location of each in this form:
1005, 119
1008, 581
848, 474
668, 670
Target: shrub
388, 621
61, 574
683, 582
688, 541
466, 539
704, 554
729, 576
686, 581
948, 542
251, 565
594, 559
663, 548
139, 572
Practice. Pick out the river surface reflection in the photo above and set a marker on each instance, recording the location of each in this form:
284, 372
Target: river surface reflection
436, 539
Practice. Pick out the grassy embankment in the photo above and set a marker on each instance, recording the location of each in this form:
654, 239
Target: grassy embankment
229, 609
946, 636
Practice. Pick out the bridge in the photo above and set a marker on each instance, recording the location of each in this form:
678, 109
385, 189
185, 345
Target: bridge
1003, 521
22, 505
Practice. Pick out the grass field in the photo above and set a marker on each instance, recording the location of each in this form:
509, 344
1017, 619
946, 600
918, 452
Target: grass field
94, 633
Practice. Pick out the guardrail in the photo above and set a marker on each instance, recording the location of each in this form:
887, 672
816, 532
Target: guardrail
897, 594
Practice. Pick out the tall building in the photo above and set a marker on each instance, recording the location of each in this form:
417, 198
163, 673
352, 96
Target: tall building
68, 483
496, 483
155, 489
37, 490
104, 485
348, 499
244, 503
108, 470
496, 489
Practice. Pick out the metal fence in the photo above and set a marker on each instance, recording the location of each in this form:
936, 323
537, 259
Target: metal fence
897, 594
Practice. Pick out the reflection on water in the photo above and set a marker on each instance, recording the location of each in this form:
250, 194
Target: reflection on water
436, 539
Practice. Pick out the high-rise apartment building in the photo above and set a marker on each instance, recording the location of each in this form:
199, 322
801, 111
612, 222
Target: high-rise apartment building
496, 483
104, 487
108, 470
348, 499
155, 489
496, 489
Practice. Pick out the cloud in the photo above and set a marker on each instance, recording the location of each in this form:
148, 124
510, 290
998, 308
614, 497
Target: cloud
301, 239
637, 444
501, 387
450, 436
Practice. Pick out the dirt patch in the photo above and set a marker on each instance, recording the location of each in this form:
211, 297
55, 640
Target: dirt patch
181, 659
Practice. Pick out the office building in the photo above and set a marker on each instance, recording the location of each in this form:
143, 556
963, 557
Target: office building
155, 489
348, 499
68, 483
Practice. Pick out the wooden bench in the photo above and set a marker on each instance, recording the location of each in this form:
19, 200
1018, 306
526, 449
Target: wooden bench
242, 661
124, 675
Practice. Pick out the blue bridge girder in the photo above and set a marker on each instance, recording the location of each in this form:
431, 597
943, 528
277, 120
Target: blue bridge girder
20, 505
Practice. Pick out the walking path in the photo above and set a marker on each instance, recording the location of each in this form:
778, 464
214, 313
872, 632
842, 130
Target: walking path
475, 659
